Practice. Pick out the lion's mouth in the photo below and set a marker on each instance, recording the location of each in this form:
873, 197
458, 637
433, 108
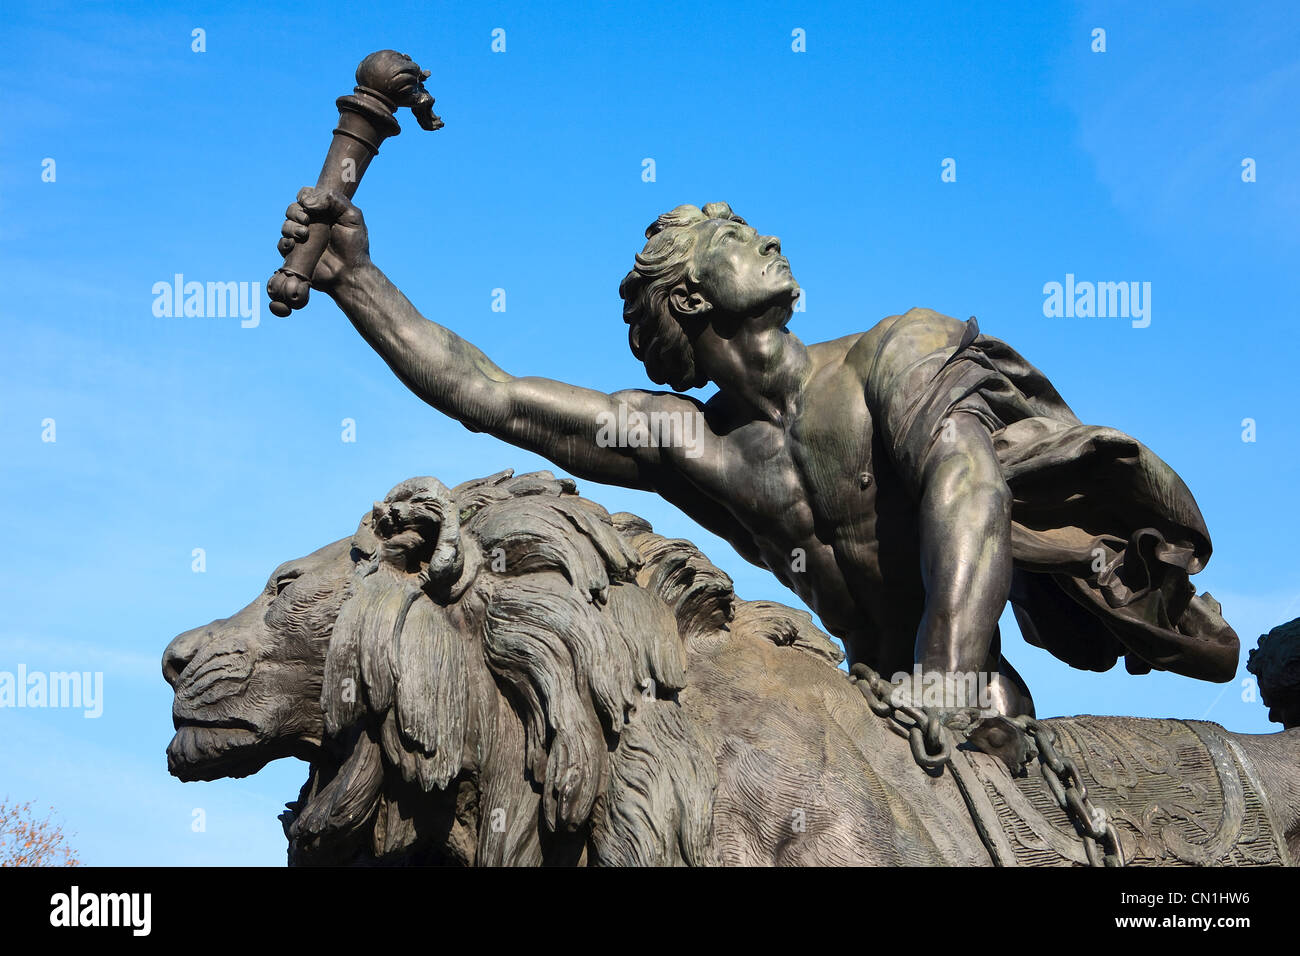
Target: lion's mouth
211, 750
230, 747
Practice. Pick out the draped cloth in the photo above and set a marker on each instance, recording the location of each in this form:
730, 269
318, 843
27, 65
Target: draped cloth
1104, 534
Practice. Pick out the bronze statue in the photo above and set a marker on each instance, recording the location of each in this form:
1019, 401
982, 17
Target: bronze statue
386, 80
1275, 662
502, 673
905, 482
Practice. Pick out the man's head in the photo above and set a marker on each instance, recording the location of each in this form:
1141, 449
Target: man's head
700, 266
1276, 664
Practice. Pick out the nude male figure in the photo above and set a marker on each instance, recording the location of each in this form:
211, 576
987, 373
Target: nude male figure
904, 481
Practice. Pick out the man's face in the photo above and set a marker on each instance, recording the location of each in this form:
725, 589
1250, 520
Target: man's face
1285, 713
740, 272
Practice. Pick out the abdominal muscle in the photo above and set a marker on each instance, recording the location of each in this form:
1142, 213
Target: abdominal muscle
873, 608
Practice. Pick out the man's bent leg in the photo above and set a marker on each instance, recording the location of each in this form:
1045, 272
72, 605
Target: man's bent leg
965, 518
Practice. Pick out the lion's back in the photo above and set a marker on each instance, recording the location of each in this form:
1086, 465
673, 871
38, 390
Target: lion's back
801, 778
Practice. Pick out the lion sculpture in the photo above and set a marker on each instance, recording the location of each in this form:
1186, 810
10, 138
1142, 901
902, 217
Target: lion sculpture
505, 674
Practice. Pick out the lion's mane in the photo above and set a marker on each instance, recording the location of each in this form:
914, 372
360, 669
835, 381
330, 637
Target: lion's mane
501, 686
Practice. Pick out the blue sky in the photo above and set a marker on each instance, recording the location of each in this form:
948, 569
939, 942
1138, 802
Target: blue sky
179, 433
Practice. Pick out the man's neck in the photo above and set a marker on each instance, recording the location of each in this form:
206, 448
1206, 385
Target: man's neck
765, 372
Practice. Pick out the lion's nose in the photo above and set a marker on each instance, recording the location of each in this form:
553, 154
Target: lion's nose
181, 651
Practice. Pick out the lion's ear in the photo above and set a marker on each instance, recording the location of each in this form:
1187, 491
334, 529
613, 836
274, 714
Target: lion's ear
418, 523
365, 540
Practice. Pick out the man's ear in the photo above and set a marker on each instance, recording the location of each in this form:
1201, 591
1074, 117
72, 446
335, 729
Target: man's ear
685, 303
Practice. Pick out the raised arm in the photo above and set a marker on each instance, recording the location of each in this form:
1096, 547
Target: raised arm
554, 419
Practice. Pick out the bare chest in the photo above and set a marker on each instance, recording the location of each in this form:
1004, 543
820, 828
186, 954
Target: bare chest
811, 482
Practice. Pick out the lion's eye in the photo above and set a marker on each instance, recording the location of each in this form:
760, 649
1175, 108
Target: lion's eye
284, 582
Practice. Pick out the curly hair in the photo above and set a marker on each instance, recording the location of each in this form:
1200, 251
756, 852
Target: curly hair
659, 338
1275, 662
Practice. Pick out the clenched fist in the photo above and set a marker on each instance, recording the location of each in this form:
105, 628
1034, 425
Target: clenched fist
349, 243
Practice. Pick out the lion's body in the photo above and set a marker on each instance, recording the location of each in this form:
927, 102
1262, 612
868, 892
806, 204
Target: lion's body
504, 674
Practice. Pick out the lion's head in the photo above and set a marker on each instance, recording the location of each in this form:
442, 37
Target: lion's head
243, 684
486, 674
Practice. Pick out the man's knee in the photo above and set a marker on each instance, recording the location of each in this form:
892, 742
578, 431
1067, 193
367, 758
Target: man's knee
993, 491
967, 476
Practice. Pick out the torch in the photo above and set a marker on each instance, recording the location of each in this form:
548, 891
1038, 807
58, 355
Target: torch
386, 81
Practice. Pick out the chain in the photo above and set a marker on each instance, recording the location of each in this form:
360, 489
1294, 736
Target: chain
931, 741
1061, 775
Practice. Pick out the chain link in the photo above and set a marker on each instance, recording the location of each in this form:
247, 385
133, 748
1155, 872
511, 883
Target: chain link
1061, 774
931, 743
